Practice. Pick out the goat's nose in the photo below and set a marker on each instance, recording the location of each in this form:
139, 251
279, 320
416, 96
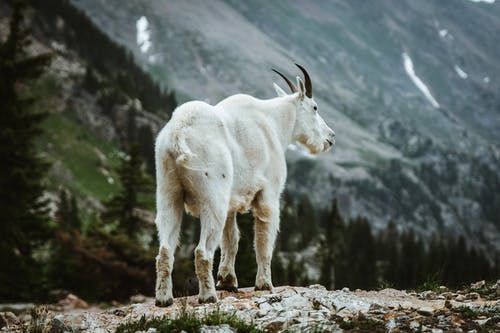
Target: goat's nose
332, 133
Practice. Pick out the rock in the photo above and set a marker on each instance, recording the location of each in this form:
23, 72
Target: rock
8, 319
429, 295
139, 298
482, 322
443, 289
448, 295
456, 321
296, 301
295, 309
229, 299
345, 290
71, 302
224, 328
414, 324
58, 326
16, 307
376, 308
478, 285
460, 298
472, 296
274, 326
317, 286
426, 311
390, 325
437, 330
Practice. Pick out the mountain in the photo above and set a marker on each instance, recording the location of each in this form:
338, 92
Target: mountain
88, 99
411, 89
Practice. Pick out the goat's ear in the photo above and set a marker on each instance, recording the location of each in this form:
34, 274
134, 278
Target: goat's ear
280, 92
302, 88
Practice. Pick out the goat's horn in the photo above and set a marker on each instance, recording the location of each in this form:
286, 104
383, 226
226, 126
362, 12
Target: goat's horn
308, 83
290, 84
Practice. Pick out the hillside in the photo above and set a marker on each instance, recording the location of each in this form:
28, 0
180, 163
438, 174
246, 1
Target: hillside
411, 90
88, 99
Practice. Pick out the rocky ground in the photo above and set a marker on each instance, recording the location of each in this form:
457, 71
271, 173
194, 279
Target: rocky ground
288, 309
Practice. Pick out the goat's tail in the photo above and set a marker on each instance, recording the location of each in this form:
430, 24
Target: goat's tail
184, 154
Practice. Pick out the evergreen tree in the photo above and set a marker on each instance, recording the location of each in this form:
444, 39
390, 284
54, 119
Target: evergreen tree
306, 222
145, 140
124, 206
64, 266
360, 255
278, 270
331, 246
388, 252
24, 222
412, 263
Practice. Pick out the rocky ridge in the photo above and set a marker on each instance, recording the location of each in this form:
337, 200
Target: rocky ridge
285, 309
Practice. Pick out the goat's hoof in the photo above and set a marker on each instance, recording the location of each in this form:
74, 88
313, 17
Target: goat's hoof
210, 299
264, 286
227, 283
165, 303
231, 289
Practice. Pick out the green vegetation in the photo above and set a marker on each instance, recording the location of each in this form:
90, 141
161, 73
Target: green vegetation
24, 225
466, 312
37, 322
87, 161
189, 322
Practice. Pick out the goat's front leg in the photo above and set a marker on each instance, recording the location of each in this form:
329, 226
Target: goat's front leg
226, 276
210, 236
266, 229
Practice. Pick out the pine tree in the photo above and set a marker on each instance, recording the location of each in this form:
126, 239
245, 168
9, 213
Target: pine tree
146, 142
331, 246
24, 222
123, 207
64, 266
389, 254
360, 254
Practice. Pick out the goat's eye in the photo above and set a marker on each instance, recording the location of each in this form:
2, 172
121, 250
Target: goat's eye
315, 108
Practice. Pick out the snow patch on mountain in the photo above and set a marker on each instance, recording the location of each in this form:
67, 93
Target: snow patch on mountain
408, 63
143, 34
485, 1
461, 72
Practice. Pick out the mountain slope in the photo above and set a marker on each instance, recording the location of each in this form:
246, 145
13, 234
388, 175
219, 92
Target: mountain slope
411, 89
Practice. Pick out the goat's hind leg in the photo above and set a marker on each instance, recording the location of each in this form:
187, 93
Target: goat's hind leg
212, 224
226, 276
170, 206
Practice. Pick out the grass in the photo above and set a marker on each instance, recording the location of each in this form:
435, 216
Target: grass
37, 323
466, 312
79, 151
189, 322
432, 283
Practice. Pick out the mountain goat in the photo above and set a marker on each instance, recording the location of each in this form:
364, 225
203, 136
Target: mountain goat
216, 161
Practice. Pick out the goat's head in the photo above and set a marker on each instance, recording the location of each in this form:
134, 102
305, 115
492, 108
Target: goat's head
310, 129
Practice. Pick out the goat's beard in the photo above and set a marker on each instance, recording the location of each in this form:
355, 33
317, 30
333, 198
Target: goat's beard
313, 148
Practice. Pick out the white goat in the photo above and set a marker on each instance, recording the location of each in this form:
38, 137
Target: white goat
219, 160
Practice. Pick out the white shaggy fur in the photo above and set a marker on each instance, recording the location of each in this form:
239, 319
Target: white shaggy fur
216, 161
